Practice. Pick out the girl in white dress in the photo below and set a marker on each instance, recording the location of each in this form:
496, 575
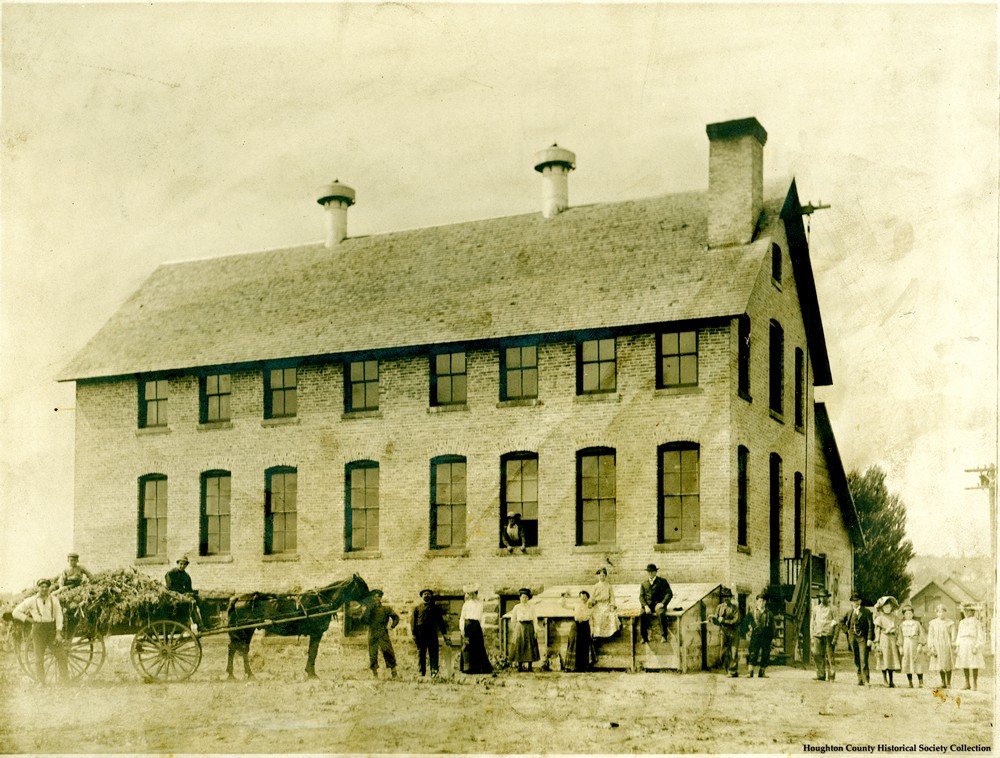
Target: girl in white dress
887, 637
912, 634
525, 641
970, 641
602, 599
940, 642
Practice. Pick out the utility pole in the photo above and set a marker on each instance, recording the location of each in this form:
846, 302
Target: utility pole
988, 482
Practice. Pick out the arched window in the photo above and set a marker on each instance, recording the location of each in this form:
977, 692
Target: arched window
280, 510
777, 368
361, 511
742, 502
680, 498
519, 493
775, 518
447, 501
800, 387
596, 496
152, 541
216, 487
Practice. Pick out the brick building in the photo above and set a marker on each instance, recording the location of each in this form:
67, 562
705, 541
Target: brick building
635, 379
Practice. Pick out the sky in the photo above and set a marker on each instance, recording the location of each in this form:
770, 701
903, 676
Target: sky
134, 135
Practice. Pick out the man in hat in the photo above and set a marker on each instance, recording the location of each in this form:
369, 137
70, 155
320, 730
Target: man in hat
74, 574
859, 626
760, 623
427, 621
821, 627
654, 596
43, 611
380, 619
513, 533
178, 579
727, 618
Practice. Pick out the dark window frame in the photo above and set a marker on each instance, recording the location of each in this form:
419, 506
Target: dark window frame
350, 505
742, 496
599, 453
453, 506
582, 364
743, 357
799, 493
270, 515
661, 358
448, 379
278, 396
529, 527
161, 522
159, 403
687, 498
205, 397
776, 368
522, 371
800, 383
204, 546
365, 382
776, 508
776, 262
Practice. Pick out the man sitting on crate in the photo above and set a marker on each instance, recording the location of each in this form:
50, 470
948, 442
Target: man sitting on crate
45, 615
655, 596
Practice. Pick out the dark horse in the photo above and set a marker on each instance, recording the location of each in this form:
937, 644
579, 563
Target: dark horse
310, 613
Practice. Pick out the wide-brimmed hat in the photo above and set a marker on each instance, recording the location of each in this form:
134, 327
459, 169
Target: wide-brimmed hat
651, 567
823, 593
524, 591
969, 607
471, 589
43, 582
183, 559
426, 592
855, 596
887, 600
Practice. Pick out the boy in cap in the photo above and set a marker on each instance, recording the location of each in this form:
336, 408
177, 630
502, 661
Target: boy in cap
178, 579
43, 611
426, 623
654, 596
727, 618
74, 574
380, 618
821, 626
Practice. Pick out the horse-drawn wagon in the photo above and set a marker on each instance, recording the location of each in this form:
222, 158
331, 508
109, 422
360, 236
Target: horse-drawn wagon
166, 635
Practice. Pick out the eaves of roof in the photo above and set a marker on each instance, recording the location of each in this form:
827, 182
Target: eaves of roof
838, 477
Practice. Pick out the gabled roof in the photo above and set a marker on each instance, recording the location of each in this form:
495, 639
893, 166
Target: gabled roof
838, 477
941, 587
961, 590
610, 265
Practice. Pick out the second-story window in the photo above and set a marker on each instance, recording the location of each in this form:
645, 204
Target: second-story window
216, 392
448, 501
152, 516
777, 368
361, 385
800, 387
678, 359
361, 513
743, 356
448, 379
153, 402
680, 493
519, 372
597, 366
280, 392
596, 498
215, 513
519, 496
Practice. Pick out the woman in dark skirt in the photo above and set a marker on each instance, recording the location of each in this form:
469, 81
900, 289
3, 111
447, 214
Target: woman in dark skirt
474, 658
580, 650
525, 650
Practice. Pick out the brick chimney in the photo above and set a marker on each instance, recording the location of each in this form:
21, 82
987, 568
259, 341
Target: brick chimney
735, 180
554, 164
336, 198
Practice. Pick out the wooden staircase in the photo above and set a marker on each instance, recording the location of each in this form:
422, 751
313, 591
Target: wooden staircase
792, 599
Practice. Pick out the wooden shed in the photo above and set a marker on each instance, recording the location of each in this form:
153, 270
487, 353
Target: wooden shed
692, 642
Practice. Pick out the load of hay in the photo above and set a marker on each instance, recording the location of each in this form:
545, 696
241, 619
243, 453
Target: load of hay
119, 599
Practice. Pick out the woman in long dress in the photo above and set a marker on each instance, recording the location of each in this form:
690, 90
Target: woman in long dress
887, 637
970, 642
470, 623
940, 645
525, 650
579, 650
605, 621
912, 634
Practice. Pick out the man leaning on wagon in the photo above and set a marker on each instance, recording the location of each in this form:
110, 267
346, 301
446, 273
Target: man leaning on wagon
43, 611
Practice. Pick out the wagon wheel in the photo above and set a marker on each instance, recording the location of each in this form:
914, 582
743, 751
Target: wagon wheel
166, 651
85, 655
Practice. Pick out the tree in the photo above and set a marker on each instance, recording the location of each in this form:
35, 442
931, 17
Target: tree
880, 566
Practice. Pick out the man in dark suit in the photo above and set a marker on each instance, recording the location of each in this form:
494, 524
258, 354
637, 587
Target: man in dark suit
860, 629
427, 622
654, 596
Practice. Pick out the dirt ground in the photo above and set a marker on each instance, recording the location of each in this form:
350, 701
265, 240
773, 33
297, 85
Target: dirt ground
347, 710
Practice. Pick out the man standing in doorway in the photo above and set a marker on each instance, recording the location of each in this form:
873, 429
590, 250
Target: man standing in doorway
654, 596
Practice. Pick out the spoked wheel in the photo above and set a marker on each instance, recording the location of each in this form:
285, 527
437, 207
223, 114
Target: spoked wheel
166, 651
85, 655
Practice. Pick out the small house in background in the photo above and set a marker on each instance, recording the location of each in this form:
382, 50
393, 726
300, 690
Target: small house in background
692, 643
952, 594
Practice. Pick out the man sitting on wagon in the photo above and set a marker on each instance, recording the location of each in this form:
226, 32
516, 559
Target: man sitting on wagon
45, 615
74, 574
179, 580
